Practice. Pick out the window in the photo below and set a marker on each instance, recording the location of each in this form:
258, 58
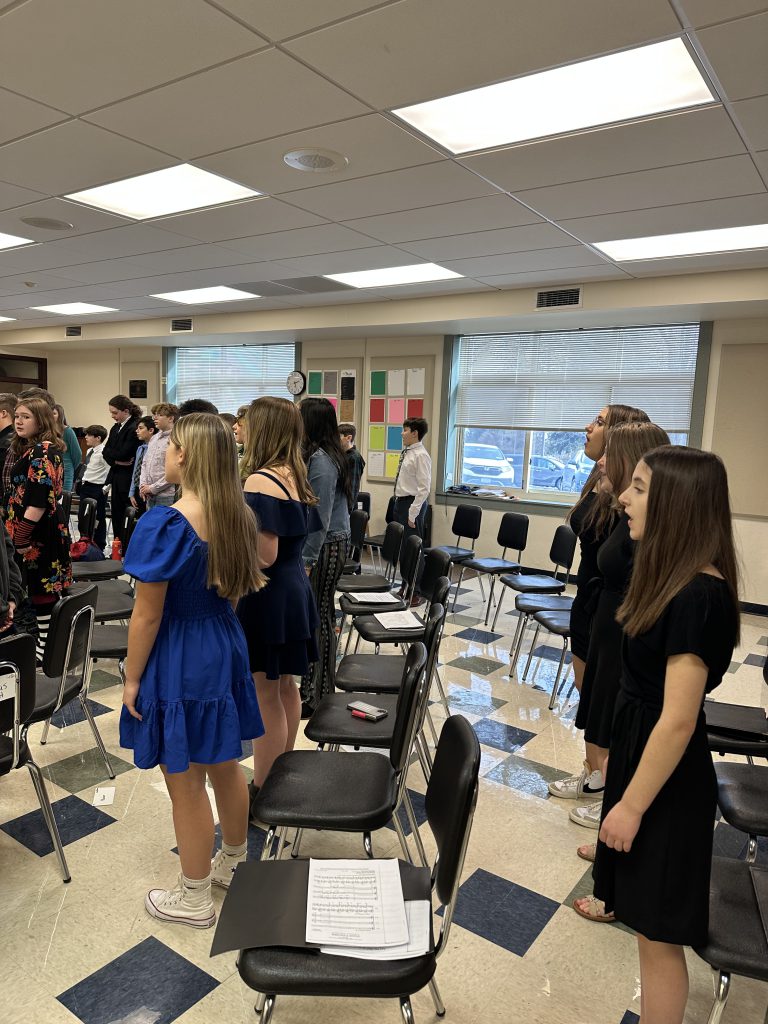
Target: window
520, 402
230, 376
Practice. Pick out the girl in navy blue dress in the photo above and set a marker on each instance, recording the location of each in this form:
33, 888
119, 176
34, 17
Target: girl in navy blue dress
189, 697
681, 622
280, 622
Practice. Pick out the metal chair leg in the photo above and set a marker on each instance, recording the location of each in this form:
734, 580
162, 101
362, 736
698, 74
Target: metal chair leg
401, 837
368, 845
498, 607
482, 588
490, 599
268, 839
269, 1008
441, 691
96, 735
296, 843
557, 677
431, 725
524, 620
530, 652
50, 822
350, 631
456, 591
425, 750
513, 648
425, 770
415, 829
260, 1000
722, 982
434, 991
357, 644
44, 737
406, 1010
752, 850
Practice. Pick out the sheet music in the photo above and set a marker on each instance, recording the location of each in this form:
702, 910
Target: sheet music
398, 620
418, 913
355, 903
381, 597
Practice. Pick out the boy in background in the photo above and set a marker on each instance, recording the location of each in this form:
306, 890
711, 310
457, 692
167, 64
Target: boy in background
145, 431
94, 479
347, 434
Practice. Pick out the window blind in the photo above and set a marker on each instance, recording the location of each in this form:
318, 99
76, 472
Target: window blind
558, 380
231, 376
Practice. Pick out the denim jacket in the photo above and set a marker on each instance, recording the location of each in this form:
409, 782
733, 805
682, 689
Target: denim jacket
332, 504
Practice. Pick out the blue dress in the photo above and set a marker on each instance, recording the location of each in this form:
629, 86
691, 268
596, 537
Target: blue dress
280, 621
197, 697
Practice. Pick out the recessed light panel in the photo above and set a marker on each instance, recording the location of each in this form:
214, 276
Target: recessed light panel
618, 87
389, 276
686, 243
196, 296
75, 309
11, 241
159, 193
5, 319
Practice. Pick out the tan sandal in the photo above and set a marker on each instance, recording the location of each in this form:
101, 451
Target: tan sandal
594, 911
587, 852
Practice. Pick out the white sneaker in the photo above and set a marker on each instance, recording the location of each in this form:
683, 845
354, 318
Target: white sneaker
576, 787
223, 868
588, 815
182, 905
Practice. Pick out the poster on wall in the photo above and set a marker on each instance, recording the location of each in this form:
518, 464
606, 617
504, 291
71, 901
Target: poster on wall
339, 387
394, 396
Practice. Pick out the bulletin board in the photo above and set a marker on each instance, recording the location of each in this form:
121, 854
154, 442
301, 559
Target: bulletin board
395, 390
341, 382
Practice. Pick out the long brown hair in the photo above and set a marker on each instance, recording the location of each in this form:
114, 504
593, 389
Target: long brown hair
625, 445
687, 527
47, 429
601, 514
210, 471
273, 434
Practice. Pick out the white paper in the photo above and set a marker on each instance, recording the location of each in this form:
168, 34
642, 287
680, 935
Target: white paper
103, 795
395, 383
398, 620
7, 687
417, 913
386, 597
376, 464
416, 380
355, 903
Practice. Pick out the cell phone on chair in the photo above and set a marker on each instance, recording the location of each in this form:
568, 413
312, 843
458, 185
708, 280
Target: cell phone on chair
367, 711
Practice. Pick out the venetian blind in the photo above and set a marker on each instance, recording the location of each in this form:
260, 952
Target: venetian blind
558, 380
233, 375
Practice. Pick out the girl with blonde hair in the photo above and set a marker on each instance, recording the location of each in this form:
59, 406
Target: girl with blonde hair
188, 695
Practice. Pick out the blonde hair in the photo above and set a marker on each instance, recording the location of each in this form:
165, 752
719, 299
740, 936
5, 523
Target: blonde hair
210, 471
273, 434
47, 428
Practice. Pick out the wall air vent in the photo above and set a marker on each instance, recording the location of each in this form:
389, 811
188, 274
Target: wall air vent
558, 297
73, 332
181, 325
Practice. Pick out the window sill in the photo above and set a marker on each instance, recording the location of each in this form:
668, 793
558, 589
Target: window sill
537, 505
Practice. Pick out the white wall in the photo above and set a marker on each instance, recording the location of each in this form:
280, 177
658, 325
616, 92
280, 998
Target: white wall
84, 381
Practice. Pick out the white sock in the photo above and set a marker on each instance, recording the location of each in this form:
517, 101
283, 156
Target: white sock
237, 852
197, 891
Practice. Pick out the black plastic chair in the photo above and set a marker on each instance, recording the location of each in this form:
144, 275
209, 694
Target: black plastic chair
377, 540
513, 534
450, 802
107, 569
358, 524
736, 729
437, 563
364, 502
467, 521
559, 624
372, 582
17, 659
369, 628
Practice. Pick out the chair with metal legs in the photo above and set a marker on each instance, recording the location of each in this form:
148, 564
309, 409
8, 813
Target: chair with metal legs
559, 624
370, 582
374, 543
513, 534
17, 706
467, 522
369, 628
450, 803
358, 524
561, 552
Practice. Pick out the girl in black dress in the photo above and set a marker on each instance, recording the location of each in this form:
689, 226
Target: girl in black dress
681, 622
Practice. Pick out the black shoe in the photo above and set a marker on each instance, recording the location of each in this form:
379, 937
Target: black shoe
306, 710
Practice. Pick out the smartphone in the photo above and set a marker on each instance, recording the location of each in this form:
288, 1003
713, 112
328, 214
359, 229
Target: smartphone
362, 710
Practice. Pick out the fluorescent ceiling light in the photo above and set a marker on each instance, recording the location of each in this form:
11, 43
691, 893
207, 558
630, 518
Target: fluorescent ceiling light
686, 243
11, 241
198, 295
618, 87
160, 193
5, 318
389, 276
75, 308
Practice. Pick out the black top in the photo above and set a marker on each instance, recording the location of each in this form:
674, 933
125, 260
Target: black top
614, 559
589, 541
121, 445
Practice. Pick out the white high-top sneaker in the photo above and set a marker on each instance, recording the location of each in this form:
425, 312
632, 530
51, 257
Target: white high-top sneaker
588, 815
191, 905
578, 787
223, 868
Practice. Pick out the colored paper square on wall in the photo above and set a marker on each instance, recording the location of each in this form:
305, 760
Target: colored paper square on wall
346, 411
394, 438
330, 382
396, 382
376, 464
393, 461
334, 401
347, 385
416, 380
379, 382
376, 438
415, 406
315, 384
396, 411
376, 411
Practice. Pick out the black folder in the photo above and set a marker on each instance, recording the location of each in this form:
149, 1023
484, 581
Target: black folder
760, 884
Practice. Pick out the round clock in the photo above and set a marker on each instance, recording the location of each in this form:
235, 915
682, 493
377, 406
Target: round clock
296, 382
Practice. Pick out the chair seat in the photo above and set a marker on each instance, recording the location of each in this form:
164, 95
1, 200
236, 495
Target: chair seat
742, 796
351, 607
372, 673
47, 693
736, 941
491, 566
104, 587
350, 567
375, 541
555, 622
456, 554
328, 790
543, 603
108, 569
334, 723
533, 584
6, 753
740, 721
365, 584
371, 629
111, 604
109, 642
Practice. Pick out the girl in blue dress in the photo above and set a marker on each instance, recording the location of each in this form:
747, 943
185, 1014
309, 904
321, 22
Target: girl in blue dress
189, 697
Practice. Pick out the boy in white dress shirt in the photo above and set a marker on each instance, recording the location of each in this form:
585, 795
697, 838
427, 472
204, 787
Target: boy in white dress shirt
414, 478
94, 479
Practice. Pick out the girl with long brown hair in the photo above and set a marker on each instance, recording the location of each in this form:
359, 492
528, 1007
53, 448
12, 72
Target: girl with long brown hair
189, 700
681, 622
280, 622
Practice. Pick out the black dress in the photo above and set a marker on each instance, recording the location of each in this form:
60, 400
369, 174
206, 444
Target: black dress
587, 578
661, 887
603, 669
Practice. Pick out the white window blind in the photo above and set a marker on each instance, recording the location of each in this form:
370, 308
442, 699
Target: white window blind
558, 380
231, 376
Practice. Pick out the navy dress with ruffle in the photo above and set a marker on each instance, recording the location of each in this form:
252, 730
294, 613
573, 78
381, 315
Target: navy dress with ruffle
197, 699
280, 621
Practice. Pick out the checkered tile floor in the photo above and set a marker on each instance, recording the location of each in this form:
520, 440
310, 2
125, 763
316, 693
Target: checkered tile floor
87, 951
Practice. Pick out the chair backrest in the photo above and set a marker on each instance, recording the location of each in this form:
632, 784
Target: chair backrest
404, 728
389, 515
66, 505
17, 661
364, 502
440, 591
131, 518
450, 802
410, 556
86, 517
358, 524
437, 563
466, 521
563, 547
513, 532
68, 646
390, 546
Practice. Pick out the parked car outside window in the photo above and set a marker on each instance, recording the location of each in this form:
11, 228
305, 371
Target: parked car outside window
576, 472
485, 465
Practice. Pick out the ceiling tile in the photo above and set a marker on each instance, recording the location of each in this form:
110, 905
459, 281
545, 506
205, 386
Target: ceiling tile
231, 107
762, 163
74, 156
238, 220
34, 257
86, 53
277, 19
753, 115
709, 179
15, 284
427, 288
303, 242
574, 276
358, 259
483, 267
487, 243
14, 195
392, 192
131, 240
101, 270
709, 12
83, 218
195, 257
458, 218
677, 138
20, 116
417, 50
371, 143
738, 51
698, 264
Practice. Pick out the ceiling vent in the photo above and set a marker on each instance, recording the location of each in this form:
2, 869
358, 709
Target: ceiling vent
316, 161
181, 325
73, 332
555, 297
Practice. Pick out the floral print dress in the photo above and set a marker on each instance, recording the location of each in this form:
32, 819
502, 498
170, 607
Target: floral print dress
37, 482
